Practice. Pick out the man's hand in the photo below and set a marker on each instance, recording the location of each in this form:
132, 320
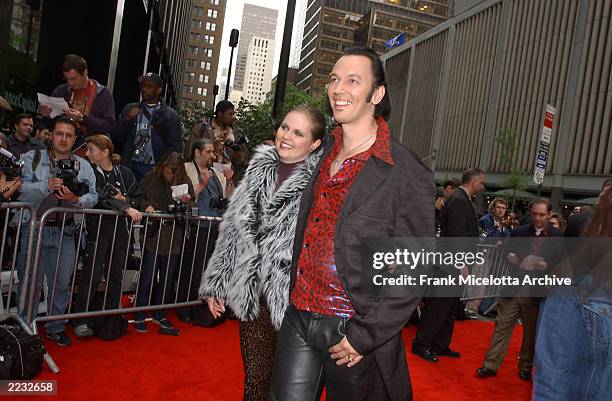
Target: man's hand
63, 193
8, 188
74, 114
45, 111
133, 112
216, 307
205, 176
54, 184
134, 214
513, 259
345, 353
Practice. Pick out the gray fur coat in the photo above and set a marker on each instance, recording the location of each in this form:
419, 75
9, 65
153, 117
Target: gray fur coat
252, 256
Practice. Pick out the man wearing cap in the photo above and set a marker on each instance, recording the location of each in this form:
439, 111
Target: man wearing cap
145, 131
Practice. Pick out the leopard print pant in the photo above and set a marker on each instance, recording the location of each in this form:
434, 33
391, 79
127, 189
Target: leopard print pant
257, 345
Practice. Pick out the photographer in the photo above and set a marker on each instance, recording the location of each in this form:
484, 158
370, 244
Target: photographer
161, 254
212, 191
495, 223
9, 179
117, 190
56, 178
229, 147
147, 130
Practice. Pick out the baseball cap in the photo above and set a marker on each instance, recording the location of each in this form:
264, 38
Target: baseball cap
151, 77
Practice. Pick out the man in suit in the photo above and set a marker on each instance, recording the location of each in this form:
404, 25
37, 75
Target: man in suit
335, 334
521, 305
459, 219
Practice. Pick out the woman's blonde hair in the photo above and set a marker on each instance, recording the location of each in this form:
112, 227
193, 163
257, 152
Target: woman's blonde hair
103, 142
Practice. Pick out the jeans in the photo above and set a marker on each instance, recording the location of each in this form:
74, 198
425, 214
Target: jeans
52, 239
573, 358
303, 364
159, 271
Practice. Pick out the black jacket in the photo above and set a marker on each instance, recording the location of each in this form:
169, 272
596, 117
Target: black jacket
122, 178
166, 134
384, 201
458, 216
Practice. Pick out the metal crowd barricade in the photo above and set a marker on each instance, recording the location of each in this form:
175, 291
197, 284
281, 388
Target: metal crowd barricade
12, 216
72, 225
495, 265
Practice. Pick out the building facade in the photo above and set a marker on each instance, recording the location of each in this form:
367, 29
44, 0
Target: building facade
495, 68
202, 60
386, 20
256, 21
119, 39
333, 25
258, 74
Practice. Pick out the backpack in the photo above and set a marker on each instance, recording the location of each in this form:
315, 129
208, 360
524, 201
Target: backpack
110, 327
21, 354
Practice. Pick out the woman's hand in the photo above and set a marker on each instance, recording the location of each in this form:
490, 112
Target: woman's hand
185, 198
216, 307
120, 196
134, 214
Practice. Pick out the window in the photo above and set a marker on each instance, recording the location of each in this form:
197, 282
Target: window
211, 26
190, 89
193, 49
203, 103
195, 37
196, 23
201, 78
212, 13
205, 79
204, 92
191, 62
208, 52
214, 2
211, 39
198, 11
199, 90
208, 26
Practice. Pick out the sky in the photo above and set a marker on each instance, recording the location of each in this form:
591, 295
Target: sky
233, 18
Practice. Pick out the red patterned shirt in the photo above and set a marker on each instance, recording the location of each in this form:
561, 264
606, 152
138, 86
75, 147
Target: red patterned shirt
318, 288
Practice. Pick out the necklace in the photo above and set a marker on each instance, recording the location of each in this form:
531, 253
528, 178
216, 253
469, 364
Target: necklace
337, 160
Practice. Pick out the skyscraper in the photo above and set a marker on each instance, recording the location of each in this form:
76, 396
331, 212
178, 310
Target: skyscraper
202, 58
333, 25
299, 19
256, 21
258, 74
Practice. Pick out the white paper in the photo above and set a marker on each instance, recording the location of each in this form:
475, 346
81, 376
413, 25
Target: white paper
179, 190
221, 167
56, 104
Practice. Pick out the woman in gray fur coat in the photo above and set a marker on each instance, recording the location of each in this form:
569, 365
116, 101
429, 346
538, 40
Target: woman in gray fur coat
249, 268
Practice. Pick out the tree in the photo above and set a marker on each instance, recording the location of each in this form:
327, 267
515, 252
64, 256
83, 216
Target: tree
516, 178
192, 114
255, 121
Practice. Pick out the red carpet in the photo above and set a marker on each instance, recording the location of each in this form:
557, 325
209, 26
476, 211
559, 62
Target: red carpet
204, 364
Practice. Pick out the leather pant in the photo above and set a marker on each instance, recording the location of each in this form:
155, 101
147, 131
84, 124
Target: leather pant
303, 363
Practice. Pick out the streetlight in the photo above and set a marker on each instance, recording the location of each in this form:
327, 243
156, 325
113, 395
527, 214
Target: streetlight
233, 43
281, 78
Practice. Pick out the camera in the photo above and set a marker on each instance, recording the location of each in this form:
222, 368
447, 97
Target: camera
68, 170
140, 141
10, 165
219, 203
237, 144
110, 190
180, 211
